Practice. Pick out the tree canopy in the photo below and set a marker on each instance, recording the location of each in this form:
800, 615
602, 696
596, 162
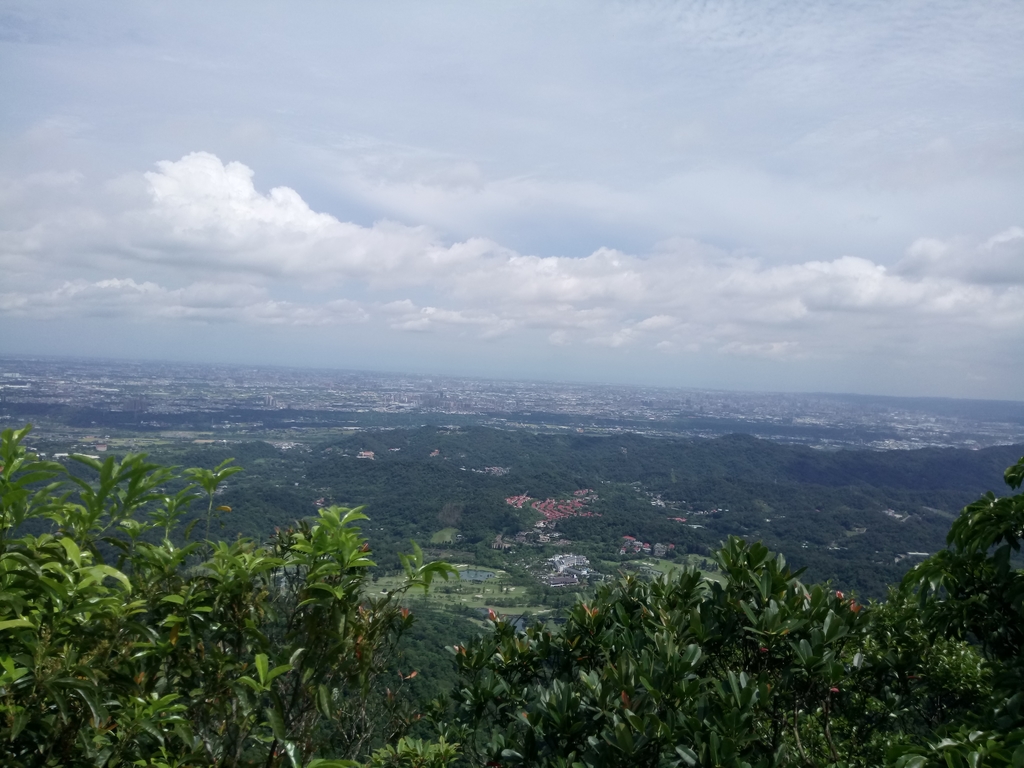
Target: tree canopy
124, 643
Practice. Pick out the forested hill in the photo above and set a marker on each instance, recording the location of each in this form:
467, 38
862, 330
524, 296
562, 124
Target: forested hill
851, 516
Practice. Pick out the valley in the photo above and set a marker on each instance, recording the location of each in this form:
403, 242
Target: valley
509, 500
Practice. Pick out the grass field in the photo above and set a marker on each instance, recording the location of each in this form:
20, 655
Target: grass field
455, 593
444, 536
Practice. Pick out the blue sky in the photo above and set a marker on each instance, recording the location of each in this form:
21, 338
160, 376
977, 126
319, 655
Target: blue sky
787, 196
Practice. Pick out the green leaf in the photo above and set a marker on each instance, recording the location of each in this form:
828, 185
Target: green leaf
108, 570
17, 624
1014, 476
74, 553
688, 755
276, 723
248, 681
324, 700
277, 672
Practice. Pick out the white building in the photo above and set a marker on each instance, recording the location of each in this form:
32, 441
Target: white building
561, 562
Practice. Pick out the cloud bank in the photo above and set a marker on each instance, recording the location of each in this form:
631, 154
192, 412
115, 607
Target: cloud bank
789, 195
196, 241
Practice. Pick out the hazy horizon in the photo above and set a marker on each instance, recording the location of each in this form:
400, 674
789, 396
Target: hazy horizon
789, 198
454, 375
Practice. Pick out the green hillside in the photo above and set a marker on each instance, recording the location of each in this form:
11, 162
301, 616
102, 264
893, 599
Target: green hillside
825, 510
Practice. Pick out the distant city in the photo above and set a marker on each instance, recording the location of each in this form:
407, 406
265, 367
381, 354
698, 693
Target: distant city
247, 400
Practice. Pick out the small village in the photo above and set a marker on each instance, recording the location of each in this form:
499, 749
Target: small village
634, 546
557, 509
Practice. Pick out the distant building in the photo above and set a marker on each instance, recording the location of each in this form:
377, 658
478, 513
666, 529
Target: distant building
660, 550
562, 581
365, 455
561, 562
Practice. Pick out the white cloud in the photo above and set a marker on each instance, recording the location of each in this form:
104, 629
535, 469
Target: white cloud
408, 317
558, 338
771, 349
211, 216
124, 298
997, 261
199, 243
656, 323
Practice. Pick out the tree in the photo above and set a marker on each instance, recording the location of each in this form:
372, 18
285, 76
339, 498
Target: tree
120, 647
972, 591
754, 669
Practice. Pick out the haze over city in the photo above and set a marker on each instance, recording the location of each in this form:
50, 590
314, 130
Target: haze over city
789, 197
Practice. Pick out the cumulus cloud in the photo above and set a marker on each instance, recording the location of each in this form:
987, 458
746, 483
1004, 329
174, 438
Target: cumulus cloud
997, 261
197, 241
210, 215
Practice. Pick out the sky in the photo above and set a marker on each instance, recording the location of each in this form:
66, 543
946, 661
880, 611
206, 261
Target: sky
780, 196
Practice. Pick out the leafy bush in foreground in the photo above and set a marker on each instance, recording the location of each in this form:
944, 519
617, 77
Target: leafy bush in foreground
761, 670
118, 647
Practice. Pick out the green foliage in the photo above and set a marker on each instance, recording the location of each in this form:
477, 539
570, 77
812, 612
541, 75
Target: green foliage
830, 501
125, 642
760, 670
680, 671
414, 753
119, 647
971, 590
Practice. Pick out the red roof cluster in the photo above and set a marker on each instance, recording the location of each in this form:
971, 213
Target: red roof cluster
553, 509
556, 509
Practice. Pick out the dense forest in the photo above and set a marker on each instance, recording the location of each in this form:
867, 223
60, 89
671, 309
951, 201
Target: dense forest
824, 510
